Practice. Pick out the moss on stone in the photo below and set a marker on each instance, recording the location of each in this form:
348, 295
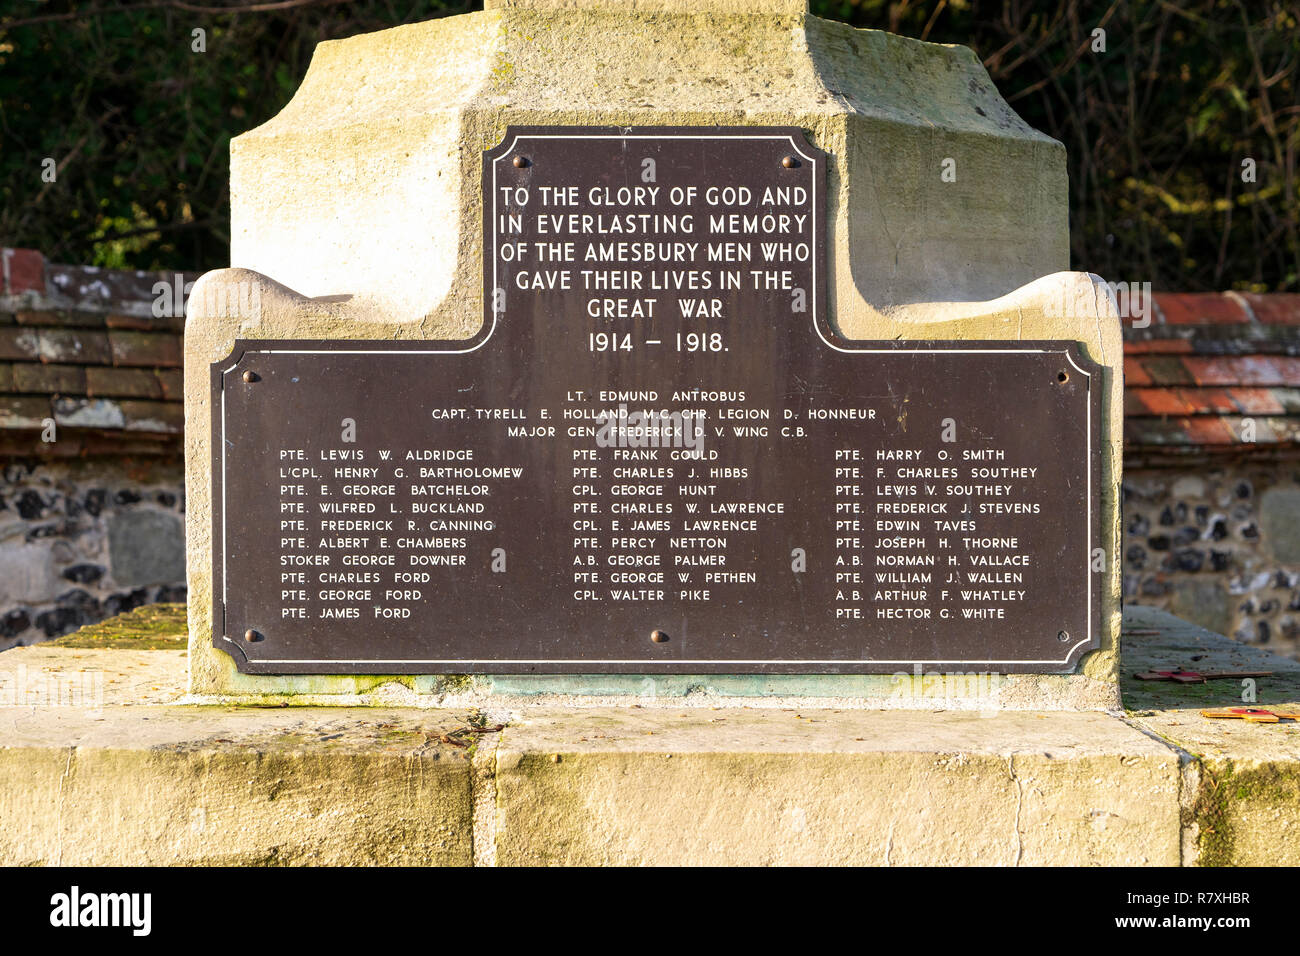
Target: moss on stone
1227, 791
153, 627
1211, 813
1172, 695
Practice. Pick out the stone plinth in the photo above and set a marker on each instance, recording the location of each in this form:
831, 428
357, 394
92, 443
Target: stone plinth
104, 761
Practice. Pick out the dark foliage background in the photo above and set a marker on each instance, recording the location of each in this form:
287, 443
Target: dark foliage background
1156, 127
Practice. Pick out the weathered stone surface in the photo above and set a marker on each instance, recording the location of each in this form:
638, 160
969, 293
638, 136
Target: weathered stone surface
49, 503
775, 787
83, 573
133, 776
146, 547
14, 621
1279, 517
193, 786
27, 574
1243, 791
1205, 603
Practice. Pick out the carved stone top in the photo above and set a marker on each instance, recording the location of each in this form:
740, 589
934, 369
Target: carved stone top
367, 183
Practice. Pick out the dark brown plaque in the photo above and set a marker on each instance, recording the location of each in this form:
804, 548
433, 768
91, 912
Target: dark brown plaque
657, 456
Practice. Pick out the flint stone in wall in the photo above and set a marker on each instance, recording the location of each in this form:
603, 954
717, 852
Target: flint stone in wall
1204, 603
146, 547
27, 574
1279, 515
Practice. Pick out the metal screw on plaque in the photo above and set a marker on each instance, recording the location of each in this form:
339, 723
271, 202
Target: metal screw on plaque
1062, 636
659, 637
250, 376
789, 162
252, 636
520, 162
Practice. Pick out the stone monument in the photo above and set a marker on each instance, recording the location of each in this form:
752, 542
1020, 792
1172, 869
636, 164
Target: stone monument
665, 350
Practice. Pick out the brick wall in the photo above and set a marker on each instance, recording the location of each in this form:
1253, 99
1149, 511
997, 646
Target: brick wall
92, 491
82, 348
1212, 464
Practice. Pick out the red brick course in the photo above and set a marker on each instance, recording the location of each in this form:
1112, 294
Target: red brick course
83, 347
1213, 370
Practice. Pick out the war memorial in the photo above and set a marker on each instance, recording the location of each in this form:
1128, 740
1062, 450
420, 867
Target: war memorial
651, 433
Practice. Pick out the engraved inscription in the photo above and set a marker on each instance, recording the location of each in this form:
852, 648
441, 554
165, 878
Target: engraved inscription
657, 432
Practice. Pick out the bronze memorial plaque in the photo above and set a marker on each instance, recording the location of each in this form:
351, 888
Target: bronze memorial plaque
657, 456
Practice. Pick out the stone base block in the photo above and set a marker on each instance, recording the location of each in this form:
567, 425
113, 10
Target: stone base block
148, 786
101, 762
776, 787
